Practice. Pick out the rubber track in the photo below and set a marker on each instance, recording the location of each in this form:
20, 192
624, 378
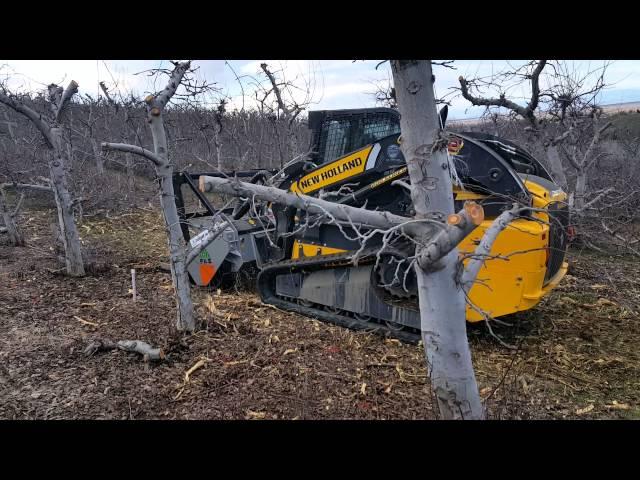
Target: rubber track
266, 281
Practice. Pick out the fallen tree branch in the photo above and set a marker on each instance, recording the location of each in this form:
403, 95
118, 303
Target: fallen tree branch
343, 213
626, 243
27, 186
458, 225
136, 346
596, 198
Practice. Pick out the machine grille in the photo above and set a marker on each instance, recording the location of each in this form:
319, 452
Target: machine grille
558, 238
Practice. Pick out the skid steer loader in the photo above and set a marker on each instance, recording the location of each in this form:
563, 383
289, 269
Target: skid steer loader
355, 160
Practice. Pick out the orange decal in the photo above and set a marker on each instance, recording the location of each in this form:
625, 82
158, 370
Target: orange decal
207, 272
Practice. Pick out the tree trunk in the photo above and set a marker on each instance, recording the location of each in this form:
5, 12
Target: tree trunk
555, 164
581, 187
15, 237
97, 154
442, 301
185, 320
292, 145
66, 222
177, 248
218, 146
131, 179
129, 172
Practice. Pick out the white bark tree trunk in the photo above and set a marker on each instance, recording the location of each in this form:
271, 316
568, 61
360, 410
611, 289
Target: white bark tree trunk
131, 179
177, 248
129, 172
66, 222
97, 154
555, 163
442, 300
177, 252
218, 146
580, 190
15, 237
164, 171
53, 137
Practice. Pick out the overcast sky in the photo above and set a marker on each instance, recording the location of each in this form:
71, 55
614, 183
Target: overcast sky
329, 84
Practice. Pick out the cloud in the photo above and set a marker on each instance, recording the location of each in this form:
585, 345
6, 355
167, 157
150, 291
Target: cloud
331, 83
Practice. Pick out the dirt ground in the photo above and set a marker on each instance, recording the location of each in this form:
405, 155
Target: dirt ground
576, 356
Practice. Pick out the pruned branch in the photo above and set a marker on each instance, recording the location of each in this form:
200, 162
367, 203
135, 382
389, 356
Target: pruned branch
126, 148
104, 89
483, 249
458, 226
69, 92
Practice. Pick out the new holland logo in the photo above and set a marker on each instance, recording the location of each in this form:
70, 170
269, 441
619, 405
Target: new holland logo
329, 174
334, 172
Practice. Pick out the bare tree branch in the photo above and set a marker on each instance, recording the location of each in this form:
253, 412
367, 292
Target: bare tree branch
32, 115
143, 152
483, 249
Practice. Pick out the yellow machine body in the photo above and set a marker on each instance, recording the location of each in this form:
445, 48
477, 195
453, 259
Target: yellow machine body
512, 281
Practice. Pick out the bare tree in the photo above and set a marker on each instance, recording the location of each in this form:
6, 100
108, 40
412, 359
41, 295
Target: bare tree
11, 225
442, 301
50, 128
285, 112
90, 132
527, 73
566, 121
569, 98
129, 132
385, 94
180, 254
583, 162
15, 237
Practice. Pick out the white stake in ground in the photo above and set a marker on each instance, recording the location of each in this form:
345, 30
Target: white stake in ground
133, 283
